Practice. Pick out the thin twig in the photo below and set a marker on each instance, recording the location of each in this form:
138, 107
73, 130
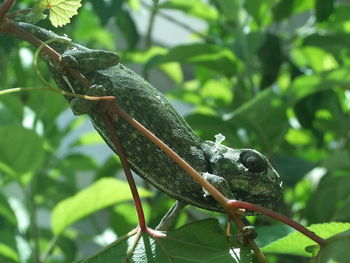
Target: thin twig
282, 218
105, 107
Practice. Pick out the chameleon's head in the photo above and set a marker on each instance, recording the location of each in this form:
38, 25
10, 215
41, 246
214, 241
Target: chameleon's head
249, 174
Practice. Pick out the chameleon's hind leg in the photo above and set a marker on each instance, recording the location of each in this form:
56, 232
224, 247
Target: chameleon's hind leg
87, 61
171, 216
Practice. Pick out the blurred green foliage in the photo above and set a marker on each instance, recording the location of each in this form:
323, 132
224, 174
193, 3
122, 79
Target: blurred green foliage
271, 74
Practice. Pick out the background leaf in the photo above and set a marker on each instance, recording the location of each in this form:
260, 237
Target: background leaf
295, 243
101, 194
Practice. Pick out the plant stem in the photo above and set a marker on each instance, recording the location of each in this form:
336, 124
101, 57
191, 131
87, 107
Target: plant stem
282, 218
33, 219
50, 249
109, 123
148, 38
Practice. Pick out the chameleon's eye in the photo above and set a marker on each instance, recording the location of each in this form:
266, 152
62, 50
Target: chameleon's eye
253, 161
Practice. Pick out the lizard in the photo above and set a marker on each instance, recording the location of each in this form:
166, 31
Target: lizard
240, 174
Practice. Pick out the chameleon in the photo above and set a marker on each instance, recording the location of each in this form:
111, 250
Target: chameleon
241, 174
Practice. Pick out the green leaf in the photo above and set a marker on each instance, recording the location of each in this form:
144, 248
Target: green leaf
195, 8
305, 85
124, 217
332, 189
336, 249
21, 149
6, 211
8, 252
286, 8
203, 241
338, 160
269, 234
332, 42
47, 105
127, 26
88, 22
106, 9
324, 9
61, 11
212, 56
293, 168
78, 162
101, 194
265, 115
8, 226
295, 243
259, 10
88, 138
173, 70
314, 58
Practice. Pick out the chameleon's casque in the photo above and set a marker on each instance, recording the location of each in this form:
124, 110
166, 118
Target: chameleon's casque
242, 174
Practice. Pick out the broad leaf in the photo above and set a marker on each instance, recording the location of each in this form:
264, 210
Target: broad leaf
212, 56
336, 249
324, 9
295, 243
61, 11
20, 149
103, 193
203, 241
195, 8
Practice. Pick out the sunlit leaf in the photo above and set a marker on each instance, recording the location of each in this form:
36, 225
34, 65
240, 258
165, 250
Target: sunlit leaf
61, 11
196, 8
296, 242
103, 193
211, 56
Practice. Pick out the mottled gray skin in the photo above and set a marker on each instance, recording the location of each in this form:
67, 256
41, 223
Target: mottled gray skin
242, 174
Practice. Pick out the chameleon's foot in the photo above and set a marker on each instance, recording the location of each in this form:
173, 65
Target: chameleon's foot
243, 236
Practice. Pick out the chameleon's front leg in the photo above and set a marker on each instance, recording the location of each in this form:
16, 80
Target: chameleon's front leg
87, 61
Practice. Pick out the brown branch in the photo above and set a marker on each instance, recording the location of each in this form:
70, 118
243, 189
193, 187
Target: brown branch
4, 8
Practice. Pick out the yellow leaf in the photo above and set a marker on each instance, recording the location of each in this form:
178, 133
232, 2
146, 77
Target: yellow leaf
61, 11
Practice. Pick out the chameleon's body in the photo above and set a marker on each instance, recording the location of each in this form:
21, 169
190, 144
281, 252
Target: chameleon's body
245, 174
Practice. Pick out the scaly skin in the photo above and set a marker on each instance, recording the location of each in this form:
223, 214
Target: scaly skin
243, 174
